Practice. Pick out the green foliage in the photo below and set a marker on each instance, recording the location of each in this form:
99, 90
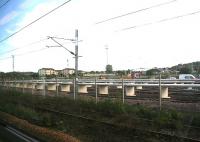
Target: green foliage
109, 69
110, 108
152, 72
185, 70
170, 120
132, 116
21, 111
196, 121
18, 75
195, 66
46, 120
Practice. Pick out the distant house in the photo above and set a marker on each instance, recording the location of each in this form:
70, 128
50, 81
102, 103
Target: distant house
67, 71
51, 72
46, 72
136, 74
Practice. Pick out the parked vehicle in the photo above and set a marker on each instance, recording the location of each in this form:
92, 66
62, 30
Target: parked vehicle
186, 76
172, 78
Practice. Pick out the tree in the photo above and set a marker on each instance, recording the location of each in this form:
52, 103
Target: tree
152, 72
109, 69
185, 70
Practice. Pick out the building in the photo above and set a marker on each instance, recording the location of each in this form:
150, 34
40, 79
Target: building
46, 72
67, 72
136, 74
52, 72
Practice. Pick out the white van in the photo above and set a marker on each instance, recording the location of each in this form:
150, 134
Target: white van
186, 76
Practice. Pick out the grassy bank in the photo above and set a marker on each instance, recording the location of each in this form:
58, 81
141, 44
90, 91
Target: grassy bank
39, 132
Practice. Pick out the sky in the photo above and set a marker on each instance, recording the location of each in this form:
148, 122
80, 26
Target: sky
162, 33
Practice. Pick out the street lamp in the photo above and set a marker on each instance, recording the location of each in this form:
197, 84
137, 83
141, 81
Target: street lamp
106, 47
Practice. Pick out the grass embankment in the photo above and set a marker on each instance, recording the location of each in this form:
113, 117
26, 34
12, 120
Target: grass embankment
37, 131
126, 116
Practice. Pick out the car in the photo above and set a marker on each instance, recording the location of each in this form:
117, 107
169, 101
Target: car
186, 76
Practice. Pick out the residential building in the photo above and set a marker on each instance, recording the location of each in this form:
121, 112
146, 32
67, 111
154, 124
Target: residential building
67, 71
46, 72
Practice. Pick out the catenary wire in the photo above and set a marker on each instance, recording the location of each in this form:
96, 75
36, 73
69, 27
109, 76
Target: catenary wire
24, 46
160, 21
32, 51
137, 11
5, 58
21, 29
25, 53
4, 4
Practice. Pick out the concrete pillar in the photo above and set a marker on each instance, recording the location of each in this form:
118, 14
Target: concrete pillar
12, 85
89, 86
26, 85
65, 87
9, 84
119, 87
21, 85
51, 87
82, 89
103, 89
139, 87
40, 86
29, 85
130, 91
17, 85
164, 92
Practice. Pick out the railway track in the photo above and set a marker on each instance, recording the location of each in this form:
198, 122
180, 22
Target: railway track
13, 134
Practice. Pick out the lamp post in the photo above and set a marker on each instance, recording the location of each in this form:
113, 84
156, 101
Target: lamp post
106, 47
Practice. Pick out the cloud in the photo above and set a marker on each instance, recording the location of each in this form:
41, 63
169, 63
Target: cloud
25, 4
7, 18
9, 31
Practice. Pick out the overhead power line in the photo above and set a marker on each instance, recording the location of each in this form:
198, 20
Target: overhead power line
32, 51
24, 46
137, 11
25, 53
34, 21
5, 58
162, 20
4, 4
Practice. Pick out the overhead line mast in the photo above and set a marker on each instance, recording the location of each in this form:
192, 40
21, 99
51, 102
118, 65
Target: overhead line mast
13, 63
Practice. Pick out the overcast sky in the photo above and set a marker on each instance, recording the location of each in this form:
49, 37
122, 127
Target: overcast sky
158, 37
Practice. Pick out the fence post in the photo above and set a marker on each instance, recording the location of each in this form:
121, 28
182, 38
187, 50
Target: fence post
44, 85
74, 81
96, 94
32, 86
56, 86
23, 85
123, 91
160, 91
15, 82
